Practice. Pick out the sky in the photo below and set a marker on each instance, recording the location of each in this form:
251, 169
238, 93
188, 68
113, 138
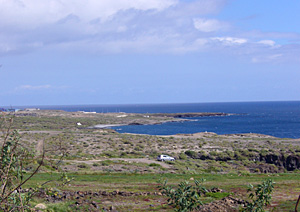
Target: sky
72, 52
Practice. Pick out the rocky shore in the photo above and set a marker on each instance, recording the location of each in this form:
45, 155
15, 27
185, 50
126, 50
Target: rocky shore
164, 117
190, 115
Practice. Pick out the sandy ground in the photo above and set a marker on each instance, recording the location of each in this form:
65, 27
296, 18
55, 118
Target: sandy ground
101, 126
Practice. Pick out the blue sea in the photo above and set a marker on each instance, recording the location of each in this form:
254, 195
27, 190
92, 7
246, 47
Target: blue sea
279, 119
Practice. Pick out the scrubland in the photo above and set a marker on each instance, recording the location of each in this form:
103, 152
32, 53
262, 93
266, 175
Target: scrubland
119, 172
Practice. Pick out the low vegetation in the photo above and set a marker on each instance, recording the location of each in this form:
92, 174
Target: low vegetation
260, 196
113, 171
185, 197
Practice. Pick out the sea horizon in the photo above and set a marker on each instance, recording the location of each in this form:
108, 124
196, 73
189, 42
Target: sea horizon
275, 118
134, 104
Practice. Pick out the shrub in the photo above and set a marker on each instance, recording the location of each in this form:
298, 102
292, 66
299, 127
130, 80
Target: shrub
12, 160
239, 156
260, 196
106, 163
184, 197
170, 162
214, 153
82, 166
109, 154
15, 156
137, 149
123, 154
191, 154
154, 165
182, 156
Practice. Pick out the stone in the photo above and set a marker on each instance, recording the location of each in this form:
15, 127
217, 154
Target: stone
79, 202
216, 190
93, 203
41, 206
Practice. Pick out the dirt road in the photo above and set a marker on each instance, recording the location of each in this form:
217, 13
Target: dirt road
135, 160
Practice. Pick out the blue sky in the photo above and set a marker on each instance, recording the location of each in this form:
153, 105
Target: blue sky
64, 52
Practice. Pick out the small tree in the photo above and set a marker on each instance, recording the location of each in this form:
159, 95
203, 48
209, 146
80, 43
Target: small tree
14, 157
260, 196
185, 197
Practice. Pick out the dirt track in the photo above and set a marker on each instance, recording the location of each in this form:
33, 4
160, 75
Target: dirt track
135, 160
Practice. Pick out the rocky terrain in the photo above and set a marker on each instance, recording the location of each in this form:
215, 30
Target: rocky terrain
100, 149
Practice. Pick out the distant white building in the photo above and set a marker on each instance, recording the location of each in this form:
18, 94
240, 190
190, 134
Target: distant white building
31, 109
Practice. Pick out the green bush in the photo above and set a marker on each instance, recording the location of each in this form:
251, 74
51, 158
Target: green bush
191, 154
82, 166
123, 154
15, 156
214, 153
154, 165
170, 162
239, 156
106, 163
260, 196
184, 197
182, 156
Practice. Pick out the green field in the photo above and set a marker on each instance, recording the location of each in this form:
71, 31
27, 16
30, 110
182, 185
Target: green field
287, 188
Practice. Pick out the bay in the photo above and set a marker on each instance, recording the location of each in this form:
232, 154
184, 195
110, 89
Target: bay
279, 119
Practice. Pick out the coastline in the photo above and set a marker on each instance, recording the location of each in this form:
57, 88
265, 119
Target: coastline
236, 123
104, 126
177, 117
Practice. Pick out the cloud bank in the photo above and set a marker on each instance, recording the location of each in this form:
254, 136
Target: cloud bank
138, 26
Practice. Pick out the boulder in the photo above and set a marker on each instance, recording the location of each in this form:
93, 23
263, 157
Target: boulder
40, 206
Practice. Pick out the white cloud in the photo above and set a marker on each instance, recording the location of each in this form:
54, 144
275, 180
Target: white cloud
32, 87
267, 42
155, 43
34, 13
26, 23
5, 48
209, 25
266, 58
102, 26
138, 26
256, 34
39, 87
230, 40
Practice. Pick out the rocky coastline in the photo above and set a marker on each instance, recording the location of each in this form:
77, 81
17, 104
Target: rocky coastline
171, 117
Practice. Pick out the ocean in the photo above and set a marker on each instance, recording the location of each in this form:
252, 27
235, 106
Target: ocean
279, 119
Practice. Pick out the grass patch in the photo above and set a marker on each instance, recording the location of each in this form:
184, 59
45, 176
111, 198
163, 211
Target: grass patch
154, 165
217, 195
60, 207
134, 182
